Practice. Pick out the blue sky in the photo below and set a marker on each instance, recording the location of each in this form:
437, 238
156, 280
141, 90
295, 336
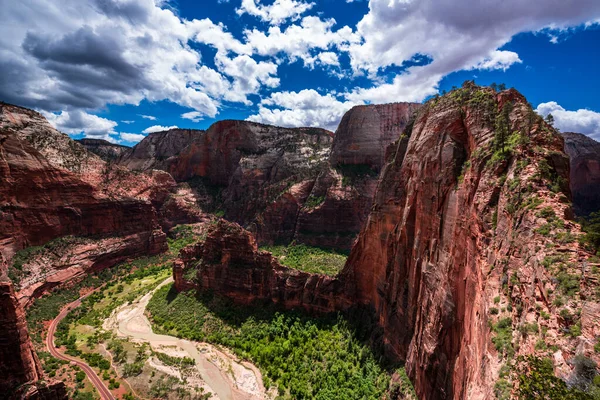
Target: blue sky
119, 69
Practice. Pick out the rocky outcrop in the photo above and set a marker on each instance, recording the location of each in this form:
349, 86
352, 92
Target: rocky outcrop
18, 361
457, 230
20, 368
42, 200
228, 262
365, 133
281, 183
104, 149
584, 153
468, 257
159, 150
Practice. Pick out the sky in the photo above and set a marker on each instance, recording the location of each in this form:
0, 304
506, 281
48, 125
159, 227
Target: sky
121, 69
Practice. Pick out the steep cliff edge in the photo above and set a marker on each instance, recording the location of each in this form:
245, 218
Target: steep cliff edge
365, 133
104, 149
584, 153
229, 263
42, 200
342, 194
469, 257
468, 232
20, 368
157, 150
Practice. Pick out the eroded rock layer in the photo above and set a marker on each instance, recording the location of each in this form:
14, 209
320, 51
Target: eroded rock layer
104, 149
62, 190
229, 263
20, 368
456, 228
468, 258
584, 153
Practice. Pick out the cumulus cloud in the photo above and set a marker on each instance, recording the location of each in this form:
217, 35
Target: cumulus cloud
86, 54
158, 128
304, 41
193, 116
304, 108
276, 13
131, 137
453, 35
79, 122
580, 121
150, 117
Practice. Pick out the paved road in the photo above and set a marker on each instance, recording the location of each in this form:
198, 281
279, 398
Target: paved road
105, 394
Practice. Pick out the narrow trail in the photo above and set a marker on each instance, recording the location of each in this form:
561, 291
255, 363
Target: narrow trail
104, 392
130, 321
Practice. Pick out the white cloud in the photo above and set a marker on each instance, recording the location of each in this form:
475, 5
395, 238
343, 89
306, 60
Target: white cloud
194, 116
128, 122
454, 35
304, 108
276, 13
301, 42
150, 117
76, 122
499, 60
131, 137
248, 75
580, 121
158, 128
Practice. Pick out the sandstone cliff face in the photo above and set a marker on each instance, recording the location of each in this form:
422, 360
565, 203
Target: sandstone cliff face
157, 149
455, 231
342, 195
278, 182
365, 132
42, 200
228, 262
104, 149
584, 153
469, 228
19, 364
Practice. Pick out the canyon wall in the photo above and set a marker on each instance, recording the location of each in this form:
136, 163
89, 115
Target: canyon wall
229, 263
456, 231
469, 257
104, 149
584, 153
281, 183
45, 194
20, 369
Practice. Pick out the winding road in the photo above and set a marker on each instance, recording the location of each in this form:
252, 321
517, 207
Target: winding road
105, 394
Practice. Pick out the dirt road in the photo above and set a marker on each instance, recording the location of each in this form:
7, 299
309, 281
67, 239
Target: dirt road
105, 394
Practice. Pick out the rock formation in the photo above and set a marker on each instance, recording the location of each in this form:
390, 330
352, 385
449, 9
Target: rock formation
457, 226
279, 182
365, 133
228, 262
468, 257
45, 195
19, 366
585, 172
158, 150
104, 149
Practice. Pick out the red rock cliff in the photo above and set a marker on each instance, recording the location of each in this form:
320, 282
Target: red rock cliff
44, 195
584, 153
456, 231
229, 263
19, 364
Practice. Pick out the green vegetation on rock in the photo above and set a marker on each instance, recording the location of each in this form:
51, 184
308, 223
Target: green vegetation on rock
309, 259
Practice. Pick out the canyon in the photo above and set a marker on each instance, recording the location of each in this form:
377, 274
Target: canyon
456, 213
